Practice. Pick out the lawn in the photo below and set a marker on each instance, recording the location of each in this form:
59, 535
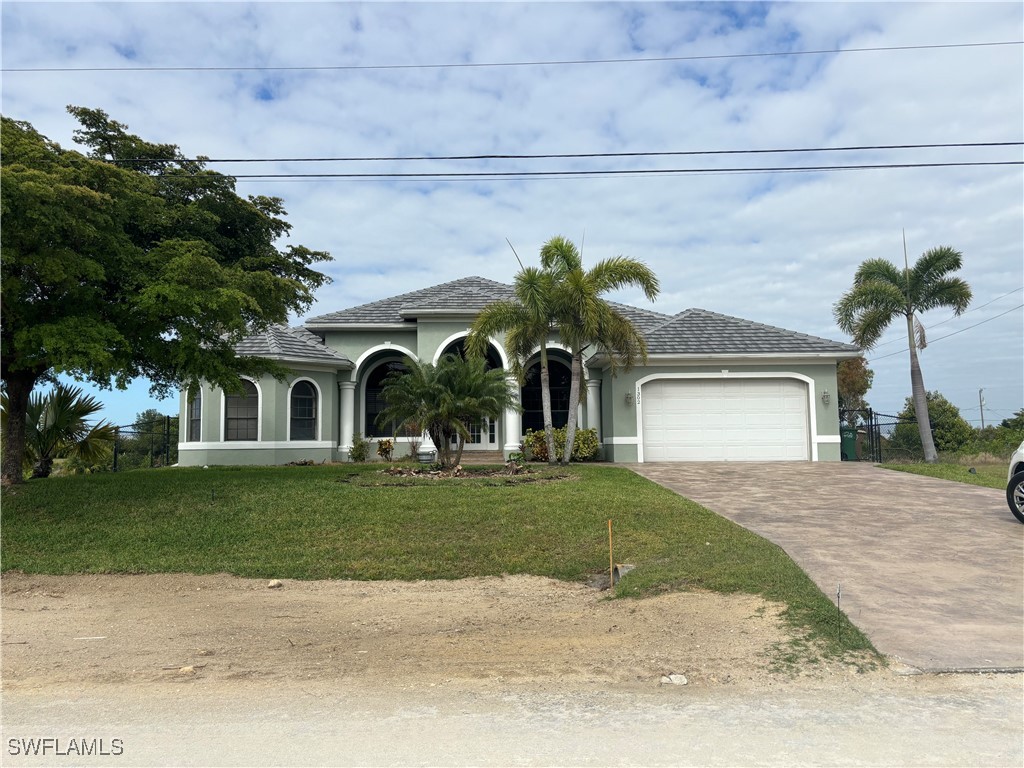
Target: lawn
988, 475
350, 522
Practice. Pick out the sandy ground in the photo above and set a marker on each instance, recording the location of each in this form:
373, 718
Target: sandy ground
217, 630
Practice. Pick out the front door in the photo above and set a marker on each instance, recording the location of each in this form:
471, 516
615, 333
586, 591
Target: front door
483, 436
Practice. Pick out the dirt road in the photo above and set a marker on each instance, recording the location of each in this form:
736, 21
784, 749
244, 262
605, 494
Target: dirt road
215, 670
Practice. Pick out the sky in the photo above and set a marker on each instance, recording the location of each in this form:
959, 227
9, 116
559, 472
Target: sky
284, 81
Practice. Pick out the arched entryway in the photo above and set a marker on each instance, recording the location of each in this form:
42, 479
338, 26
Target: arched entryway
485, 435
560, 379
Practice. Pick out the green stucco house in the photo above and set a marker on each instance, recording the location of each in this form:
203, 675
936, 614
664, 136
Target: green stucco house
714, 388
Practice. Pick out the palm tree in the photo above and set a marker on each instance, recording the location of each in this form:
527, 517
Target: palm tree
57, 427
583, 319
882, 292
526, 321
446, 399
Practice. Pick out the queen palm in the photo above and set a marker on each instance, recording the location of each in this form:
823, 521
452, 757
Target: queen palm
882, 292
445, 399
526, 321
584, 320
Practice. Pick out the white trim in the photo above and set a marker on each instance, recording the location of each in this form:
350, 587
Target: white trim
259, 414
621, 441
463, 334
813, 437
319, 409
248, 445
386, 347
828, 439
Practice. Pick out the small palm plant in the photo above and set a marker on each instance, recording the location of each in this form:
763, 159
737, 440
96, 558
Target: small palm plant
57, 426
445, 399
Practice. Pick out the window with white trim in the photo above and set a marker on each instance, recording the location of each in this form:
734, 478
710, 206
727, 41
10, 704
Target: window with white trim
242, 414
303, 411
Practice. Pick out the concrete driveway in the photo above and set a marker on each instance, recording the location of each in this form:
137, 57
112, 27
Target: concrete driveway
931, 570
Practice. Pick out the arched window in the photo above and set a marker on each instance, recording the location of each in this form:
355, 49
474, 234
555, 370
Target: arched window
375, 402
303, 411
195, 416
458, 347
242, 414
560, 378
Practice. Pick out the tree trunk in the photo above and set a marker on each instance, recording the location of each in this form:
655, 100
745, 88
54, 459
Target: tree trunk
920, 398
19, 389
574, 406
545, 398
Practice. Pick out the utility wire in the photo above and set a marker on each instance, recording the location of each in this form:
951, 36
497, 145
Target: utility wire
954, 333
482, 65
580, 155
513, 175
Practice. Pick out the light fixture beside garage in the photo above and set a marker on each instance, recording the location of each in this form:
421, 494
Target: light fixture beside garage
826, 398
629, 398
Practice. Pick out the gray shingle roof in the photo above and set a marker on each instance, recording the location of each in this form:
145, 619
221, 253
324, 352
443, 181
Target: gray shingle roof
295, 345
700, 332
467, 295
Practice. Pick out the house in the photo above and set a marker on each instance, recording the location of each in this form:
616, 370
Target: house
714, 388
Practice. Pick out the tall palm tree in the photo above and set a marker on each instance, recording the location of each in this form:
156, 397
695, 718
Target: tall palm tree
57, 426
584, 319
882, 292
446, 399
526, 321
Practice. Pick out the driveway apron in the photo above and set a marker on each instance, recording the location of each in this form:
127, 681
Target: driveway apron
931, 570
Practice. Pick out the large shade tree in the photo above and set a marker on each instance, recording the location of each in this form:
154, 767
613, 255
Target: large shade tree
445, 400
133, 261
585, 321
526, 321
882, 292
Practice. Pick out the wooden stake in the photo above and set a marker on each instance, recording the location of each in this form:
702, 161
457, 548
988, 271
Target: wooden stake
611, 558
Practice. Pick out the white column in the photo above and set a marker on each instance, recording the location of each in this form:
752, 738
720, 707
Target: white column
513, 424
347, 415
594, 406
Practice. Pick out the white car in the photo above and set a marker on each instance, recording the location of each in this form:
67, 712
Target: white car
1015, 483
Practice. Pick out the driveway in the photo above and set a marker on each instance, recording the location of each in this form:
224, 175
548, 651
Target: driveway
931, 570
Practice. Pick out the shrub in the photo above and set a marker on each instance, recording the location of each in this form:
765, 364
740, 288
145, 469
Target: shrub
360, 450
585, 445
385, 448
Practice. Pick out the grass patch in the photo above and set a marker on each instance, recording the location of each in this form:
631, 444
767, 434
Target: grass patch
342, 522
987, 475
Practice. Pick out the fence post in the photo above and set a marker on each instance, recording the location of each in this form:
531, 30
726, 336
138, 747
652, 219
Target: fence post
167, 441
117, 441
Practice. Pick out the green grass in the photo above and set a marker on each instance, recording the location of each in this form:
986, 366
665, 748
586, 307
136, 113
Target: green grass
350, 522
988, 475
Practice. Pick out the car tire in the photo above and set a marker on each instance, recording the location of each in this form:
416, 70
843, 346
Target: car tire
1015, 495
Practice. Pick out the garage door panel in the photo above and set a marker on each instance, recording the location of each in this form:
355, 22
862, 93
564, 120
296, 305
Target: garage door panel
725, 420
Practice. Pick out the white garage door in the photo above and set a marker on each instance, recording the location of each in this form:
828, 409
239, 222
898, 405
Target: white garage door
725, 420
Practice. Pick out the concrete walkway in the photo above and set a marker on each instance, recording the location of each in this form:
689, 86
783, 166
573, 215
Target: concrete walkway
932, 570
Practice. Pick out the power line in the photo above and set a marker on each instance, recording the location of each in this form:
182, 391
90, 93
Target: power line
583, 155
481, 65
954, 333
515, 175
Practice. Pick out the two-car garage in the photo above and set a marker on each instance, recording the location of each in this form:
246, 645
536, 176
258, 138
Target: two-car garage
725, 419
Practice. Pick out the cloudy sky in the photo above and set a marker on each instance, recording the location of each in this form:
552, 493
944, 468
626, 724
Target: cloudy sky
282, 81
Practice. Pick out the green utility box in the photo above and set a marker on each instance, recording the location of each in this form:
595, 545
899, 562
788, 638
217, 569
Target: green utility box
848, 443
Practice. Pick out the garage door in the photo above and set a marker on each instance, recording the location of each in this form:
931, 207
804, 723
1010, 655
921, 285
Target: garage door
725, 420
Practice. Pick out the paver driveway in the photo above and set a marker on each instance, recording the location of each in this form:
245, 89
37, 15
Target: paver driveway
931, 570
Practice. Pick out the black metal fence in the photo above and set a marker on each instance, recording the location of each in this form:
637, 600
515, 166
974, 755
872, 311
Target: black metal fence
865, 435
146, 444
